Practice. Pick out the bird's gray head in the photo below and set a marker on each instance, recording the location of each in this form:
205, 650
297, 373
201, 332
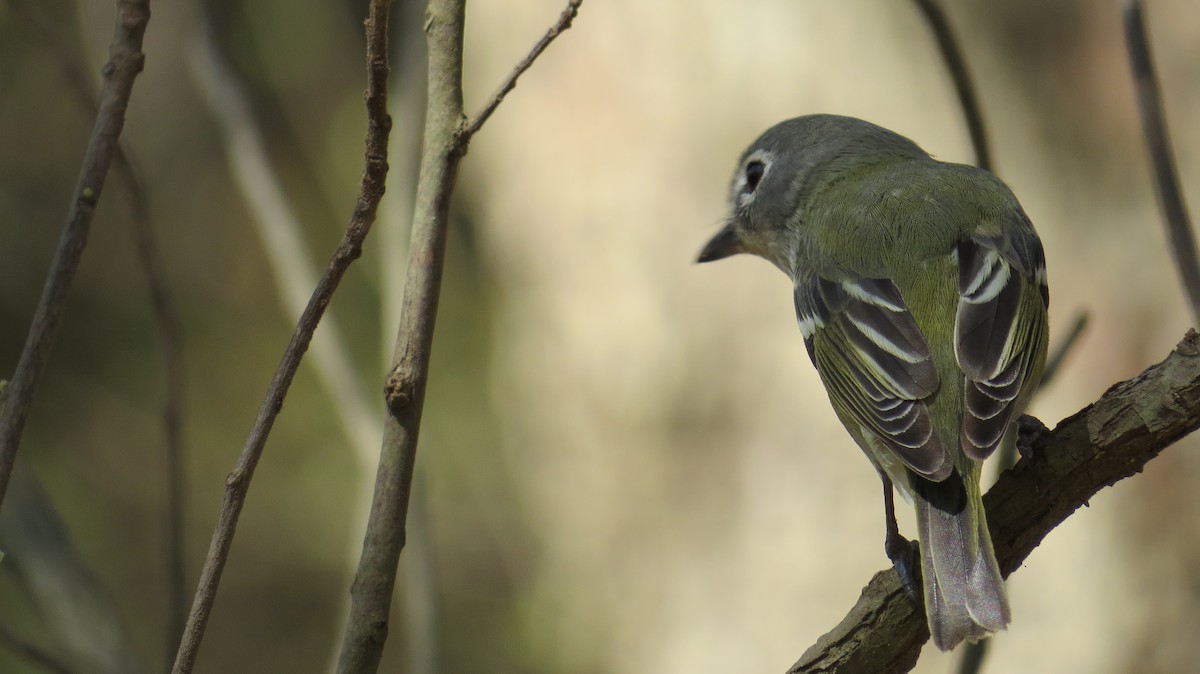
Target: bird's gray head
779, 171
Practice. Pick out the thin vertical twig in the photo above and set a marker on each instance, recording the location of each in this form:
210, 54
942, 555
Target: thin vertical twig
957, 65
170, 333
348, 250
125, 62
419, 581
287, 252
1066, 345
1162, 160
446, 137
166, 320
374, 580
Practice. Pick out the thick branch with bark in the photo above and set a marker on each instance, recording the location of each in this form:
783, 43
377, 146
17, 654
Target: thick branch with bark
1096, 447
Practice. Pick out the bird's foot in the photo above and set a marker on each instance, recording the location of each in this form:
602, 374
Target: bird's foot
906, 560
1029, 430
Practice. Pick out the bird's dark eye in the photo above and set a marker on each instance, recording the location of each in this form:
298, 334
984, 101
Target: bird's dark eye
754, 173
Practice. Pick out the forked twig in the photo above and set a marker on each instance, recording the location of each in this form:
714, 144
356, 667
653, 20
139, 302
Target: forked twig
446, 140
564, 22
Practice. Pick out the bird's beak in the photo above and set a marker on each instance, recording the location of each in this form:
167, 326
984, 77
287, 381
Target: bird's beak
725, 243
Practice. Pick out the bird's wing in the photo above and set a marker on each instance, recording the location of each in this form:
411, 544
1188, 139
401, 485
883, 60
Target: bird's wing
1000, 331
875, 363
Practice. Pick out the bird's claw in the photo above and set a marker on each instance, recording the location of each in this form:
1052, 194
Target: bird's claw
1029, 429
905, 559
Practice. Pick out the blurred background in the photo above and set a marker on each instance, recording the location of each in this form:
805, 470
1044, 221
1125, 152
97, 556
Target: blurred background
627, 462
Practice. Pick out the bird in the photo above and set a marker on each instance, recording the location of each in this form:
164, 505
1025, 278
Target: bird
921, 295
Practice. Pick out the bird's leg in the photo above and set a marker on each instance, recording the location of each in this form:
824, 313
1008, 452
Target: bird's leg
900, 550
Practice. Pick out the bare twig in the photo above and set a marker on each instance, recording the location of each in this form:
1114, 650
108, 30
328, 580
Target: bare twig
283, 241
280, 230
1158, 144
348, 250
564, 22
957, 65
1105, 442
1065, 346
31, 653
418, 580
125, 62
447, 136
374, 581
171, 337
166, 320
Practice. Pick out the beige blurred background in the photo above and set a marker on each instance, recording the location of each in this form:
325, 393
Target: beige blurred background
627, 463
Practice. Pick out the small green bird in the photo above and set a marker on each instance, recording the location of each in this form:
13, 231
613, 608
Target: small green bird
920, 289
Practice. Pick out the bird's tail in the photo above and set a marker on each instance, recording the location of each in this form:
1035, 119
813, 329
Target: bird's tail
964, 593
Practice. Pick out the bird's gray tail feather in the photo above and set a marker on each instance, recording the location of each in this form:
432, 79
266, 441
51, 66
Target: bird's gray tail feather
964, 593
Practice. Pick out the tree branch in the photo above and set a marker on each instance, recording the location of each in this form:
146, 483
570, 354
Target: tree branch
1105, 442
447, 135
348, 250
375, 578
125, 62
564, 22
1158, 145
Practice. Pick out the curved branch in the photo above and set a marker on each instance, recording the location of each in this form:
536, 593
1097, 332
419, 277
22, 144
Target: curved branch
1096, 447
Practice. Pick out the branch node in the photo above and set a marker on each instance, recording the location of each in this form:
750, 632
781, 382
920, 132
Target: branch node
397, 392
